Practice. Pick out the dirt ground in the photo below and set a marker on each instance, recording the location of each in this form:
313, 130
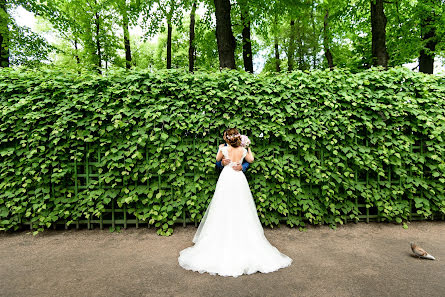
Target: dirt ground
354, 260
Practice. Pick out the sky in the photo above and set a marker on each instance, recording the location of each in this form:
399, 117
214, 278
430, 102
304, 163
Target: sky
26, 18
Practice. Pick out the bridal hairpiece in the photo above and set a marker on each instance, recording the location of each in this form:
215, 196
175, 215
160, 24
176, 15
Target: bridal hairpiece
233, 136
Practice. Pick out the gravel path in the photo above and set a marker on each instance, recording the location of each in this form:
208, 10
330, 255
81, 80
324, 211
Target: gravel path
354, 260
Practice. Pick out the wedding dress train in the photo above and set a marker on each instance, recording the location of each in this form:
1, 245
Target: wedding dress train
230, 239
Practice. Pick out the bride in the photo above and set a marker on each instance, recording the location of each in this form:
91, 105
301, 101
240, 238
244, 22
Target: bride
230, 240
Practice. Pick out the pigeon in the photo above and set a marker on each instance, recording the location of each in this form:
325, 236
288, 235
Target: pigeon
421, 253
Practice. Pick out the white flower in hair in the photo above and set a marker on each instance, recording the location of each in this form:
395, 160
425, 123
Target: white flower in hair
233, 136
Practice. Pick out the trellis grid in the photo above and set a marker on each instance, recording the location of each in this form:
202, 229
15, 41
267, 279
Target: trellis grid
87, 167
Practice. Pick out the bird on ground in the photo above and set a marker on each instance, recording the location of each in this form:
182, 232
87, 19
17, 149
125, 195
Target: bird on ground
420, 252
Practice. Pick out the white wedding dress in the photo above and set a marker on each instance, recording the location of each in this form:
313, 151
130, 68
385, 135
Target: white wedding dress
230, 239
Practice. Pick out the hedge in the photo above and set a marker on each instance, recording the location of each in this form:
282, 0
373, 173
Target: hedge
330, 145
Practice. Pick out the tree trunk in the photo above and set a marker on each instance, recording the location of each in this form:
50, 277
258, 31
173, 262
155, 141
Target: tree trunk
224, 35
427, 53
277, 55
327, 51
378, 29
247, 43
98, 48
169, 43
77, 55
290, 54
315, 44
4, 35
192, 39
77, 51
127, 40
300, 37
276, 48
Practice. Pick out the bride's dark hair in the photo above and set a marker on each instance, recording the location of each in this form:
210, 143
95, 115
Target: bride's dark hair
232, 137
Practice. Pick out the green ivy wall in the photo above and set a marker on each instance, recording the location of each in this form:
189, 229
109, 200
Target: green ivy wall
331, 146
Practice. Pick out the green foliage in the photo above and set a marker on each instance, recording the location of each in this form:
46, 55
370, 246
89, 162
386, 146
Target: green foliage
324, 141
84, 30
28, 48
153, 54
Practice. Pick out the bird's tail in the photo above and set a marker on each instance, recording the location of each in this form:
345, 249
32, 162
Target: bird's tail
428, 256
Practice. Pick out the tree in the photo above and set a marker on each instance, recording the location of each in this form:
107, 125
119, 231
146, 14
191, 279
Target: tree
428, 27
4, 35
127, 13
124, 10
289, 34
378, 28
19, 46
171, 11
224, 34
326, 40
206, 47
192, 49
291, 51
275, 44
246, 41
270, 29
28, 48
80, 23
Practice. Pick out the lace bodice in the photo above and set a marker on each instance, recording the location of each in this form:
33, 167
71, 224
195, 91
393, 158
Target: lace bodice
232, 163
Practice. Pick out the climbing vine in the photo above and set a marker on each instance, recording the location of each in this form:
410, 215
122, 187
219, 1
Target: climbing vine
329, 145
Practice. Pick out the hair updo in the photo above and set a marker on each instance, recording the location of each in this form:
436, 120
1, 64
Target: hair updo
232, 137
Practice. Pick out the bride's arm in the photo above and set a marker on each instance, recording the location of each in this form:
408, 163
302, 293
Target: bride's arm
249, 157
219, 155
